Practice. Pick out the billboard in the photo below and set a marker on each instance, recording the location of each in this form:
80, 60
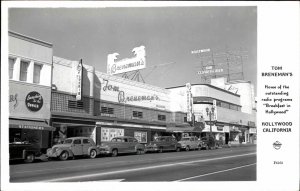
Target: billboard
137, 62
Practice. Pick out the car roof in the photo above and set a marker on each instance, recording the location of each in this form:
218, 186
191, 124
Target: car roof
123, 137
78, 138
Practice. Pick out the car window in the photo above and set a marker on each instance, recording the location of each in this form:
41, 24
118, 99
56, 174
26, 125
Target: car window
125, 140
86, 141
68, 141
135, 140
77, 141
184, 139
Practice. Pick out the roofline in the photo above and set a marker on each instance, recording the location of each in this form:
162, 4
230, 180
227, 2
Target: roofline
30, 39
209, 85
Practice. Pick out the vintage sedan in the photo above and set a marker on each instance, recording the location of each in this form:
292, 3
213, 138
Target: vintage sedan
121, 144
23, 150
163, 143
74, 146
189, 143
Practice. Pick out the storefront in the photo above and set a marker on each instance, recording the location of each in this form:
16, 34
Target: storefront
30, 65
129, 108
143, 133
34, 132
71, 126
72, 102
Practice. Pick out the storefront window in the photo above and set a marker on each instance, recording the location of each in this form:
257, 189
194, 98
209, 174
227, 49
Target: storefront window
141, 136
108, 133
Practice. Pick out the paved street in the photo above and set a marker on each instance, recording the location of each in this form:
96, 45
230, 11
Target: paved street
226, 164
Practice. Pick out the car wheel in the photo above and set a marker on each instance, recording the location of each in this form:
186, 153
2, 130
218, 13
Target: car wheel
178, 149
93, 154
114, 153
29, 158
199, 147
206, 147
160, 150
138, 152
64, 155
187, 148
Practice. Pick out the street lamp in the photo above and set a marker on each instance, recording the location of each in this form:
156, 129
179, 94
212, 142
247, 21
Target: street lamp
210, 113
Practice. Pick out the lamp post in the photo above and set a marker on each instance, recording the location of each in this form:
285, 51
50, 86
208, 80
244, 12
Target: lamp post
210, 113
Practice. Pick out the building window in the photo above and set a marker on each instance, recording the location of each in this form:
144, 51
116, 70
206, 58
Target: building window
225, 105
161, 117
137, 114
11, 67
218, 103
107, 110
23, 70
233, 107
185, 119
75, 104
37, 73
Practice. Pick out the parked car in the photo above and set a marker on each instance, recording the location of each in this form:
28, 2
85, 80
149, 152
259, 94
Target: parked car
163, 143
121, 144
23, 150
211, 143
188, 143
74, 146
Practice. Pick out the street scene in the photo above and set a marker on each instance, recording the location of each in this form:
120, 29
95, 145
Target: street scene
224, 164
132, 94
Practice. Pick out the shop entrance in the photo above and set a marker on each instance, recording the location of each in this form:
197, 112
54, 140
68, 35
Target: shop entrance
226, 138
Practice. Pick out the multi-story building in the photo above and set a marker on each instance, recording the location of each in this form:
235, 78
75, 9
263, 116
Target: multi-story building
30, 67
109, 106
228, 109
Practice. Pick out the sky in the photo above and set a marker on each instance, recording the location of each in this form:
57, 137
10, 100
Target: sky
169, 34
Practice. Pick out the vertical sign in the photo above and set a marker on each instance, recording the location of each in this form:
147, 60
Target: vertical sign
215, 116
79, 80
189, 102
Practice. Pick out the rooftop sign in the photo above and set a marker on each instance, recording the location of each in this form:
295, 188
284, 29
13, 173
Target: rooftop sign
128, 64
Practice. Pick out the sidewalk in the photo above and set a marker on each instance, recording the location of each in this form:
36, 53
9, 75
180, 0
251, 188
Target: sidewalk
238, 145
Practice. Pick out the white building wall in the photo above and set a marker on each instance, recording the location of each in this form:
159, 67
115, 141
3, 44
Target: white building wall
33, 51
244, 89
220, 94
64, 76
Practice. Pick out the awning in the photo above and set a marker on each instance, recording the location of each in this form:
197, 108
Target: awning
183, 129
34, 125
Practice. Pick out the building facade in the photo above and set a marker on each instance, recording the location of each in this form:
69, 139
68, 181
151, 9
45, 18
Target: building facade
229, 115
30, 68
110, 105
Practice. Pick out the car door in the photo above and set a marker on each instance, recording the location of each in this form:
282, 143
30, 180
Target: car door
127, 145
121, 144
86, 144
193, 143
173, 143
77, 147
132, 142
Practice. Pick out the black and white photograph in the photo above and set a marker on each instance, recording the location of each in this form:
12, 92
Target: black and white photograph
104, 95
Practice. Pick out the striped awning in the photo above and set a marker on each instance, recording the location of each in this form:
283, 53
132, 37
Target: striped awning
26, 124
